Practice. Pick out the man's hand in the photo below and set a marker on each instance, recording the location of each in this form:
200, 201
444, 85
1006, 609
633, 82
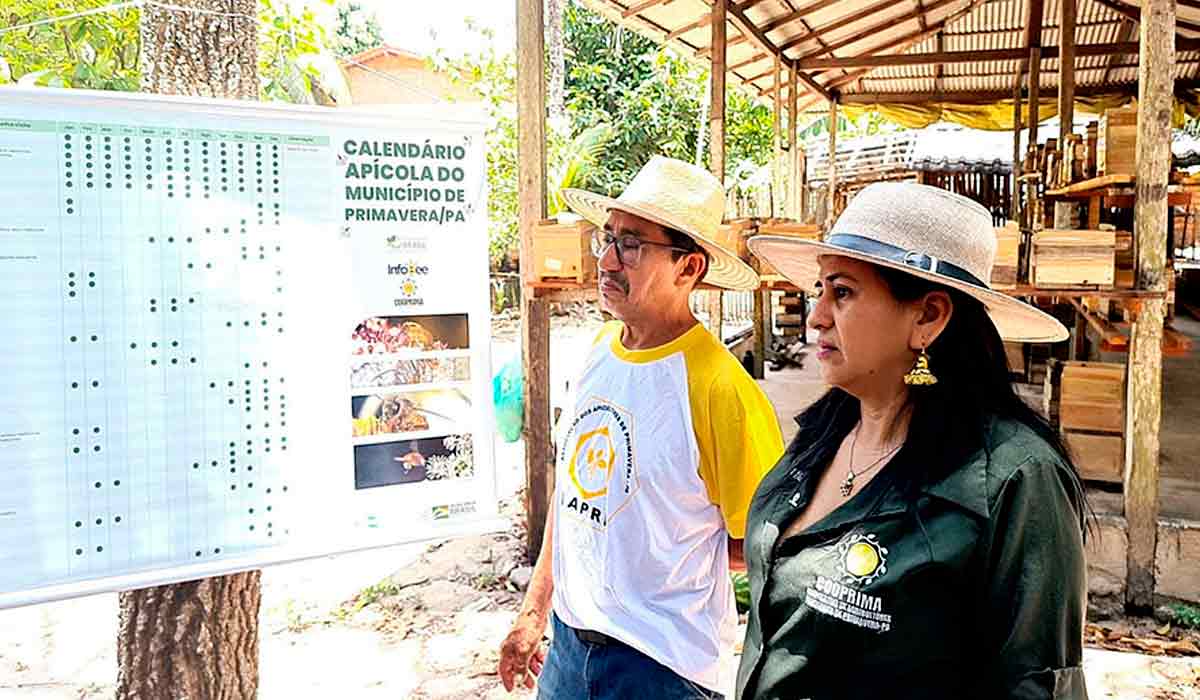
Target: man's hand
522, 654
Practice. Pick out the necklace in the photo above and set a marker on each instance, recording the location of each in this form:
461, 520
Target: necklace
847, 486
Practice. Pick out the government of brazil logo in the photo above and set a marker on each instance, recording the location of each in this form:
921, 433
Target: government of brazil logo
591, 466
863, 558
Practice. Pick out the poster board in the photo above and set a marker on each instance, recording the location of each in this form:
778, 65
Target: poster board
238, 334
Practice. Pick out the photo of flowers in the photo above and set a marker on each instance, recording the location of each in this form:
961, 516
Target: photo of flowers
384, 335
412, 461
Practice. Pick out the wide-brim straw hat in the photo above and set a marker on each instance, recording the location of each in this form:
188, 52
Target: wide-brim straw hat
925, 231
680, 196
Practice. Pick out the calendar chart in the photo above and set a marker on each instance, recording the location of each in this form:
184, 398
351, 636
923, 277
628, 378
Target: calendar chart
195, 295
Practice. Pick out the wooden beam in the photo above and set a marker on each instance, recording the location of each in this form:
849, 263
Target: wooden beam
750, 61
831, 167
716, 112
641, 7
1135, 14
841, 22
977, 96
1144, 395
1126, 33
946, 57
535, 313
747, 27
702, 22
707, 50
796, 15
872, 30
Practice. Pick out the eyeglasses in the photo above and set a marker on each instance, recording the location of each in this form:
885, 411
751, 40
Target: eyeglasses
629, 248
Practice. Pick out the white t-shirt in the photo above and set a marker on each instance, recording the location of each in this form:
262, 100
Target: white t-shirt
658, 455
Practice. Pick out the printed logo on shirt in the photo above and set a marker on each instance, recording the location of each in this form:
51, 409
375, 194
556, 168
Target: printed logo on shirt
863, 557
598, 454
862, 560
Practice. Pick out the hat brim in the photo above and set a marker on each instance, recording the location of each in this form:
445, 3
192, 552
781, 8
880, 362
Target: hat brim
796, 259
725, 269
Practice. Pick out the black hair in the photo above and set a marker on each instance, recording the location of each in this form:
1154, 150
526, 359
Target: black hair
949, 419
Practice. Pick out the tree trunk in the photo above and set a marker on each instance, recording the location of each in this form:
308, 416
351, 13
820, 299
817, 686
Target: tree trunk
558, 65
211, 51
196, 640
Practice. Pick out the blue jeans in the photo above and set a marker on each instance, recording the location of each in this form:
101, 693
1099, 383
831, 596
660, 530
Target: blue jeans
579, 670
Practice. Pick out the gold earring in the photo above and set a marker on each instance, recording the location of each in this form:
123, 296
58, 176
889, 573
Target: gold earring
920, 375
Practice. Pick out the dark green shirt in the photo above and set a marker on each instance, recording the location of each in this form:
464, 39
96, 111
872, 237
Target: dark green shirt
977, 590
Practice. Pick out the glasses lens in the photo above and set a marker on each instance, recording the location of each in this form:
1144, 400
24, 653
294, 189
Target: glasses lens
630, 249
600, 242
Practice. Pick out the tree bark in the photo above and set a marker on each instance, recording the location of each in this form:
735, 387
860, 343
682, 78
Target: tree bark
208, 50
196, 640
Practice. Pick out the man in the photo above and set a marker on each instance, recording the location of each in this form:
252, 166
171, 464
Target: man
660, 449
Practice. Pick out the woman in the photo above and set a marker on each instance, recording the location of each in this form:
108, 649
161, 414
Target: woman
922, 536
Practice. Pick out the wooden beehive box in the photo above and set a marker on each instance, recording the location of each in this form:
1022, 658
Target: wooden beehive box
1123, 276
1015, 353
1004, 268
1093, 397
732, 236
1074, 258
1098, 457
779, 227
563, 252
1116, 142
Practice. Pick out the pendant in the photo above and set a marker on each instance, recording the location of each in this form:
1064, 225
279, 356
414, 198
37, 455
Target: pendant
847, 485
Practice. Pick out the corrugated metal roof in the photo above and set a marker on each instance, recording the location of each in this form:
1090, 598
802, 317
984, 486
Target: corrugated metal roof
851, 28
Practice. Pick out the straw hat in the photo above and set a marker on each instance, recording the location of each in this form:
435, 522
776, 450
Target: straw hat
677, 195
926, 231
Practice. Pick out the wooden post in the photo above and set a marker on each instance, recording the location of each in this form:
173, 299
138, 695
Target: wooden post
830, 214
535, 313
1066, 99
793, 170
716, 111
716, 122
778, 206
762, 331
1015, 199
1156, 65
1035, 76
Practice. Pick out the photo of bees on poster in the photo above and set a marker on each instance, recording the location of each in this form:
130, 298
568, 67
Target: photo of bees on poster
410, 404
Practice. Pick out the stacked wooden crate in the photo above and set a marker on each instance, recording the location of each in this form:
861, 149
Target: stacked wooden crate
1074, 258
1091, 416
562, 252
790, 317
1004, 267
1116, 142
781, 227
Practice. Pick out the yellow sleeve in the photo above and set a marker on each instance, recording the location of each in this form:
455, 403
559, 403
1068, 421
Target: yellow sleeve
739, 440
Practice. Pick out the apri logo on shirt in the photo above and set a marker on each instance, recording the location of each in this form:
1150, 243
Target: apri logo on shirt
597, 452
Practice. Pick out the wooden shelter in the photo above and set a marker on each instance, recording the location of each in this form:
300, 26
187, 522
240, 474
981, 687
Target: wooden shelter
983, 63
